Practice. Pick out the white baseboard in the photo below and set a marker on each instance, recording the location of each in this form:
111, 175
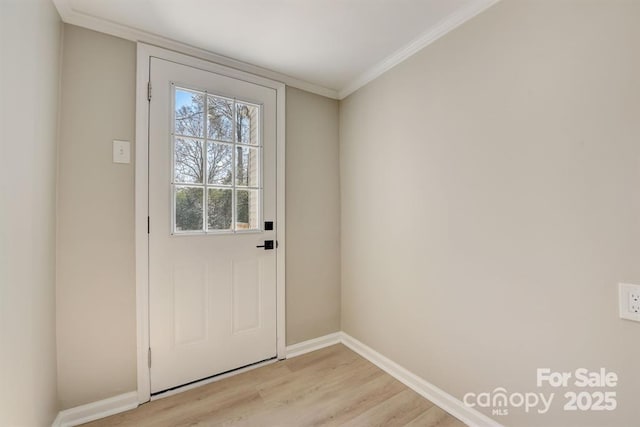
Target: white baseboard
313, 345
96, 410
427, 390
114, 405
124, 402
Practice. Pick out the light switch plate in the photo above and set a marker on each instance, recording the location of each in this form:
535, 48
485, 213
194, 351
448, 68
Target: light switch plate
629, 296
121, 151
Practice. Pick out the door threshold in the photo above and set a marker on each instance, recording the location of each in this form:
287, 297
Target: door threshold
204, 381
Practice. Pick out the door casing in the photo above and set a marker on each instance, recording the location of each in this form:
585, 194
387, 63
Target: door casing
144, 53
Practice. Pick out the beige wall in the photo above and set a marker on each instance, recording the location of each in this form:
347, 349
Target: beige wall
29, 71
96, 283
95, 271
313, 216
490, 203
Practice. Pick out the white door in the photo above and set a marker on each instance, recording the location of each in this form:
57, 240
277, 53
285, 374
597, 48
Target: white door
212, 204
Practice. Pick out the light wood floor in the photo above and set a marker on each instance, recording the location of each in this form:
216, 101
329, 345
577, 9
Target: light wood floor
329, 387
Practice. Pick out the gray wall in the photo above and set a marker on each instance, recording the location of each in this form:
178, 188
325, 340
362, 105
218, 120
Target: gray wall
29, 71
313, 216
490, 204
96, 262
96, 283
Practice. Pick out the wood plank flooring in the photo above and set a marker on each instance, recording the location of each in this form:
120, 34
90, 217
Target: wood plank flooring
329, 387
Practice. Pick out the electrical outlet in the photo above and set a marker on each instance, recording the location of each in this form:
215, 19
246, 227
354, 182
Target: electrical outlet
629, 296
634, 302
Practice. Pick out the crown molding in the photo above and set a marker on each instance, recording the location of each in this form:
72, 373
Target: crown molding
442, 28
72, 16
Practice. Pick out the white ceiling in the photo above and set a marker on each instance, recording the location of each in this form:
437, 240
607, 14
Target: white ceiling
332, 46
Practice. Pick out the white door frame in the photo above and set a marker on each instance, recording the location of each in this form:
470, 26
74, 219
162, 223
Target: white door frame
145, 52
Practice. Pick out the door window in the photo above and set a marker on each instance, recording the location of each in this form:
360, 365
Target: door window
217, 156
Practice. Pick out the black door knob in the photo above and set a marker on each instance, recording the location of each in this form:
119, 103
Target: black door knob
268, 244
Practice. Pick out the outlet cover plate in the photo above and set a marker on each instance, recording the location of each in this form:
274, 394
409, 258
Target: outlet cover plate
629, 297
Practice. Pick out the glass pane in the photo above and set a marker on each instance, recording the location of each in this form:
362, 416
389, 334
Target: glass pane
247, 209
219, 209
247, 161
247, 121
188, 158
189, 113
220, 119
189, 208
220, 163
